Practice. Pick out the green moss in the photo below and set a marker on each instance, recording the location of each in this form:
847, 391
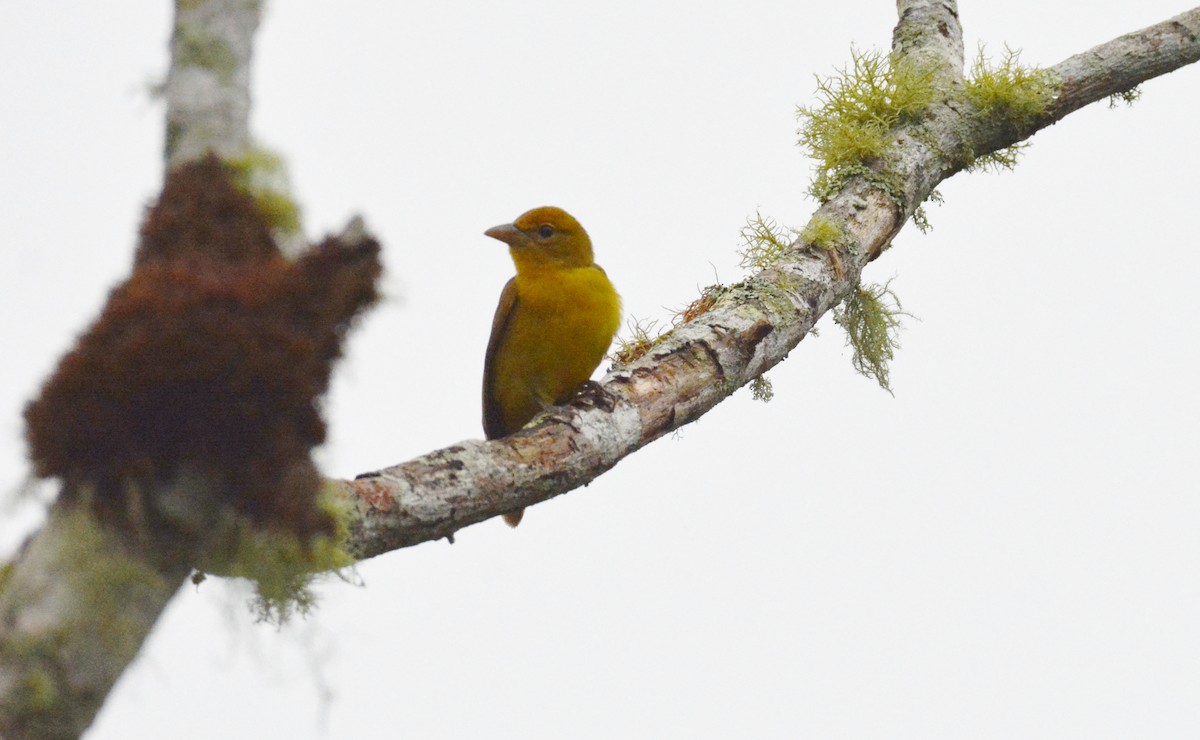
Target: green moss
823, 232
40, 690
105, 581
858, 109
262, 174
276, 563
826, 234
1008, 89
761, 389
921, 218
282, 567
334, 504
1001, 160
1012, 93
36, 701
763, 242
871, 319
36, 705
193, 48
830, 237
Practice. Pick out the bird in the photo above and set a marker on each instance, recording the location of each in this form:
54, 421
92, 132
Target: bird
555, 321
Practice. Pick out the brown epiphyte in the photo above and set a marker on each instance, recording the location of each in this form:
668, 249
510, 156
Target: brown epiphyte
210, 358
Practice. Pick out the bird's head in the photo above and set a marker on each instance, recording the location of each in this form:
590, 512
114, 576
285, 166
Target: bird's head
545, 237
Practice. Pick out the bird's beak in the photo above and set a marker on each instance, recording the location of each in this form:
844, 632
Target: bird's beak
507, 233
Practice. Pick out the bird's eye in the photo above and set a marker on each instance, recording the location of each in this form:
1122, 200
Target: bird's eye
546, 231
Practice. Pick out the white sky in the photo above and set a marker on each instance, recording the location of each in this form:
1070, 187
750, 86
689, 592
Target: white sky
1007, 548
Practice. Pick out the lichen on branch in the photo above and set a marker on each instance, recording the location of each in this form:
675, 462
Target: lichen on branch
1011, 95
764, 242
857, 109
871, 317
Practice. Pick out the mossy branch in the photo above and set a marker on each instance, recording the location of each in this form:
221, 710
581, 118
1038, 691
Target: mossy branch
857, 109
735, 341
1012, 94
642, 335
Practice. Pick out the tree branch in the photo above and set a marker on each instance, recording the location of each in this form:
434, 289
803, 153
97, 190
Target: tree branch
79, 600
751, 328
208, 84
929, 29
57, 665
1125, 62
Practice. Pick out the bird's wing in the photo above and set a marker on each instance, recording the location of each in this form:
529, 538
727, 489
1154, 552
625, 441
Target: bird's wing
493, 422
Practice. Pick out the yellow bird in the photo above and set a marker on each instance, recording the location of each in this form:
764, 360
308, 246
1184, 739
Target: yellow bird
555, 321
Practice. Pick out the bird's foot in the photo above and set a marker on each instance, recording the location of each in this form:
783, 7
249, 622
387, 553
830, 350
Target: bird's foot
592, 393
